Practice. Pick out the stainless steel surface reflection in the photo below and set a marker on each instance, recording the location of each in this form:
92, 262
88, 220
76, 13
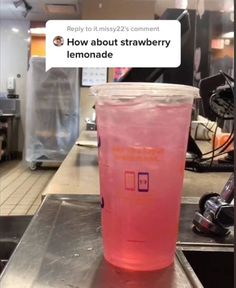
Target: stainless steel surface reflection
62, 247
107, 276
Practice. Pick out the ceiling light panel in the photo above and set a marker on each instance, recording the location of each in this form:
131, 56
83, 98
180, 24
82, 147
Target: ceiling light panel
38, 31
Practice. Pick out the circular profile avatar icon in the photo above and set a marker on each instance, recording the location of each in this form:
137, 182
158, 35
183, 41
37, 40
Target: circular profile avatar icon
58, 41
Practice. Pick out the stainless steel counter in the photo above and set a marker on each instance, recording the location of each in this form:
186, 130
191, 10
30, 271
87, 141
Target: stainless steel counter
62, 247
78, 174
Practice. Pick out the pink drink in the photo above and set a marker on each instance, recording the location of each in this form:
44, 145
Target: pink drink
141, 162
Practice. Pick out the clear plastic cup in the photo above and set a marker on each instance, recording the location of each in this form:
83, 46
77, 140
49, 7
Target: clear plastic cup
143, 132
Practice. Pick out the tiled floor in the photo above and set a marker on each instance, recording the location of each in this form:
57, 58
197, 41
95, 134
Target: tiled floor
21, 188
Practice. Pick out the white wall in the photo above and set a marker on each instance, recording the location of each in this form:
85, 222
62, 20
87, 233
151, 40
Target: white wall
13, 61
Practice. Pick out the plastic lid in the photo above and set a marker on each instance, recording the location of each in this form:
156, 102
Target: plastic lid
132, 90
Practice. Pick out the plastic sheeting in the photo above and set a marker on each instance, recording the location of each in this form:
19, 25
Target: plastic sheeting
52, 111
